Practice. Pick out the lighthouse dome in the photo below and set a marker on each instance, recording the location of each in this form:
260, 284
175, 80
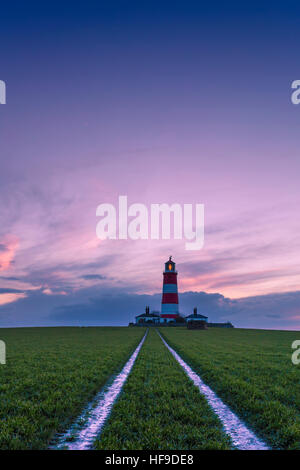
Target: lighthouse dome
169, 266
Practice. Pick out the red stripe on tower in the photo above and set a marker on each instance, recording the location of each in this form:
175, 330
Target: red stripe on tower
169, 315
169, 304
169, 298
170, 278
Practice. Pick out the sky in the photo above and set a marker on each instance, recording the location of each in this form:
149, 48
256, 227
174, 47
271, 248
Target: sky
165, 102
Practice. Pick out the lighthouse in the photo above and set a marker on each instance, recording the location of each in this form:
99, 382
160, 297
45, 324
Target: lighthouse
169, 303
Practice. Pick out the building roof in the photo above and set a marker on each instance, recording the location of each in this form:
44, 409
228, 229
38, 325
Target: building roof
147, 315
196, 315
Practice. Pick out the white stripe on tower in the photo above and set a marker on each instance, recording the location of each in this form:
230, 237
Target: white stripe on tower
170, 289
169, 308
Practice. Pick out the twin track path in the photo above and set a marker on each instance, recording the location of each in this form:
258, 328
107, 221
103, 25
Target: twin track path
160, 408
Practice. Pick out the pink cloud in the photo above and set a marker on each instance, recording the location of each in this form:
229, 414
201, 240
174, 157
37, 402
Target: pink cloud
8, 298
9, 245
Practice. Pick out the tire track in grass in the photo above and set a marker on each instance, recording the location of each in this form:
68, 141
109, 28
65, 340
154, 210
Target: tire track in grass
242, 437
87, 427
160, 409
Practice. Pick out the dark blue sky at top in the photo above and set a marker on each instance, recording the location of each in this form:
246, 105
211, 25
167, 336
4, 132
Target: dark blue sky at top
225, 47
215, 31
87, 56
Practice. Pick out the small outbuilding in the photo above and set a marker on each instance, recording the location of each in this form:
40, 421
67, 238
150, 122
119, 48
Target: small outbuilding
195, 317
147, 317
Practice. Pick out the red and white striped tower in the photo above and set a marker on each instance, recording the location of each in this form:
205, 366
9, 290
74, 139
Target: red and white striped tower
169, 303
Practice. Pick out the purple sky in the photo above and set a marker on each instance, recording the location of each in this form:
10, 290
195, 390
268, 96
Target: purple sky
161, 104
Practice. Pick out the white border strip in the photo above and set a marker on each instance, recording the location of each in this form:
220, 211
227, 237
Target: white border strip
82, 438
242, 437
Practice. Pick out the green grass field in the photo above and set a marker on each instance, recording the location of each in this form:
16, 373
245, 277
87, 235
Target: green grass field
160, 408
251, 370
52, 373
